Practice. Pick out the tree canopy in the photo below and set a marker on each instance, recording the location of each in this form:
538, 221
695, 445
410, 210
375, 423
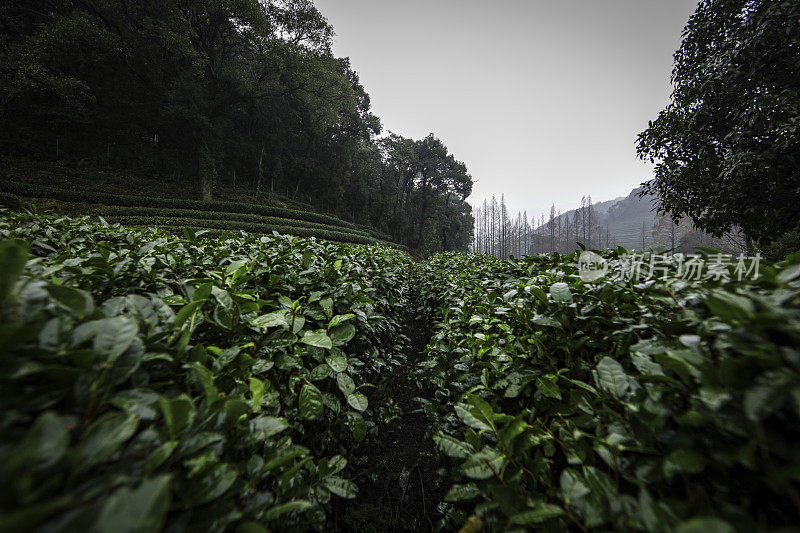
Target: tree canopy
202, 90
727, 147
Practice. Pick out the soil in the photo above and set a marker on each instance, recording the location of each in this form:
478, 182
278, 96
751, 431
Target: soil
399, 488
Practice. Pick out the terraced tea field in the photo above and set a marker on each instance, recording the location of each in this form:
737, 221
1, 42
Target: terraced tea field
195, 214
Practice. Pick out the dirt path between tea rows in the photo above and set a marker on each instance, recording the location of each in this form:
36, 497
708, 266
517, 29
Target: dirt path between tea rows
398, 489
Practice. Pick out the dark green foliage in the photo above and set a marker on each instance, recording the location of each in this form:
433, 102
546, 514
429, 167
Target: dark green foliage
191, 383
245, 93
330, 234
786, 244
9, 200
727, 147
106, 199
116, 212
236, 382
655, 406
112, 212
254, 227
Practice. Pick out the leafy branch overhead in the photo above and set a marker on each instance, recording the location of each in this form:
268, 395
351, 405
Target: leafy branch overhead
726, 148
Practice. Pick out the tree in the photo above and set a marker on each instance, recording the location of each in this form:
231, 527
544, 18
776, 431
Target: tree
203, 90
728, 145
667, 232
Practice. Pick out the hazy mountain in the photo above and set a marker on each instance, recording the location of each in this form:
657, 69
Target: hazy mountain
623, 218
626, 219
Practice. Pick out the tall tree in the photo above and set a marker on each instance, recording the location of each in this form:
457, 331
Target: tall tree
727, 147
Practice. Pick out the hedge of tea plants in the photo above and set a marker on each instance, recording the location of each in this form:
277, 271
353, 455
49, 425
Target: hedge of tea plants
143, 212
152, 382
614, 405
331, 233
230, 382
28, 190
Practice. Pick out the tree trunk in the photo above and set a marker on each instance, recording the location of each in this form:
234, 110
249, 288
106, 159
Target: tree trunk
260, 169
207, 170
423, 212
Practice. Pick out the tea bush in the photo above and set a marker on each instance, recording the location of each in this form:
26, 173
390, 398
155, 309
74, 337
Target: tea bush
652, 406
221, 381
331, 233
95, 197
150, 382
112, 212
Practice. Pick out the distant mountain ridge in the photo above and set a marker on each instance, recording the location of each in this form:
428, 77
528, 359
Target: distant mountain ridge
624, 217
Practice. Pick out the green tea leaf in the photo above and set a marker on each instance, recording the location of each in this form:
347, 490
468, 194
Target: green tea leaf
317, 338
547, 386
134, 510
327, 306
336, 359
357, 425
684, 461
13, 257
484, 464
340, 319
573, 487
256, 393
114, 336
357, 401
459, 493
560, 293
452, 446
612, 377
271, 320
205, 378
78, 301
542, 512
264, 427
178, 413
340, 487
310, 402
341, 335
157, 457
730, 307
469, 419
296, 506
44, 444
104, 438
346, 384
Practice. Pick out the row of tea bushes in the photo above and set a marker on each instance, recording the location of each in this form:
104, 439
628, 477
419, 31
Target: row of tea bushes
28, 190
652, 406
144, 212
330, 234
153, 382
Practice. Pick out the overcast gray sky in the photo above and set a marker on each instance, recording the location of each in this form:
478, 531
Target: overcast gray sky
542, 99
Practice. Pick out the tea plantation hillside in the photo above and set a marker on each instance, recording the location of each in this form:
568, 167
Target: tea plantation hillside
248, 382
134, 199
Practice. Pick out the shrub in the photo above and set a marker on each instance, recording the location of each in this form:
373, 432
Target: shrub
193, 383
614, 405
93, 197
331, 234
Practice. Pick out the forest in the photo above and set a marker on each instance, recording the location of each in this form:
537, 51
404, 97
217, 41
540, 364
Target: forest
209, 93
631, 222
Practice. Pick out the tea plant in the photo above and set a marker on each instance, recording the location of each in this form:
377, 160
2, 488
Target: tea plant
149, 381
647, 406
229, 381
